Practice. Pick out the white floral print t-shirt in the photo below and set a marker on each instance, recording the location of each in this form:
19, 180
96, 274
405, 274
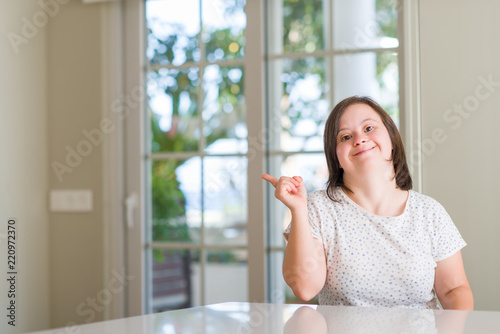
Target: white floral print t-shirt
381, 261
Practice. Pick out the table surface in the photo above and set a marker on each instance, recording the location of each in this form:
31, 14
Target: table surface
256, 318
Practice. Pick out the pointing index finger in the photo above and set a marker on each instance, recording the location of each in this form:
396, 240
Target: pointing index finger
270, 179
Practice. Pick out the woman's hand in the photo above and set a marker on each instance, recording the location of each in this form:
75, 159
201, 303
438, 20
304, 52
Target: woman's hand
291, 191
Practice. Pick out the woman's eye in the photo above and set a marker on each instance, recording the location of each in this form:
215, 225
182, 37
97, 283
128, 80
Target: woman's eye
369, 128
345, 137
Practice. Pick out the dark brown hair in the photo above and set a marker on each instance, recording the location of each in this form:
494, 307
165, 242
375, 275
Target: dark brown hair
335, 179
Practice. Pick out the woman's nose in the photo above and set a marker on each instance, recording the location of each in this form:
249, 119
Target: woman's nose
359, 139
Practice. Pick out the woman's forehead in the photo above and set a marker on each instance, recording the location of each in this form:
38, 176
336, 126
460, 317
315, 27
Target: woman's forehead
358, 113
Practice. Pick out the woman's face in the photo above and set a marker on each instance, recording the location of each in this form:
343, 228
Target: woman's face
363, 141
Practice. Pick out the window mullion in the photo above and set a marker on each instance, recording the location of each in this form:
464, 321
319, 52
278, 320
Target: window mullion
201, 95
331, 60
328, 53
255, 106
201, 149
202, 63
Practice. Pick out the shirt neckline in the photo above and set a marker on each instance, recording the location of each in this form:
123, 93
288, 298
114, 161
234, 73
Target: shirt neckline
348, 199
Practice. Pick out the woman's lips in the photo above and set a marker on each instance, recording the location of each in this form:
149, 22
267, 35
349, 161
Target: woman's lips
364, 151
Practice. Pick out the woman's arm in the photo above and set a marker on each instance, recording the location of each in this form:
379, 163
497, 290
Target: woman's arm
304, 264
451, 285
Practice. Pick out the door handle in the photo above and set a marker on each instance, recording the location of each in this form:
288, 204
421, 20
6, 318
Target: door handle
130, 204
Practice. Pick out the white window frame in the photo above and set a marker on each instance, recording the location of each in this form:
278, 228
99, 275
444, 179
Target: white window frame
135, 182
409, 80
135, 153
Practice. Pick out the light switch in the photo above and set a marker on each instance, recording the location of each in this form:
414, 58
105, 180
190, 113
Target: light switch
71, 200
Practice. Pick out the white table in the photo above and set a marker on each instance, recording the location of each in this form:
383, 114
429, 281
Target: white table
248, 318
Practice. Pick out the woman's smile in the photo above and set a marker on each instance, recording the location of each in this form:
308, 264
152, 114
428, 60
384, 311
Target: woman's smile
364, 151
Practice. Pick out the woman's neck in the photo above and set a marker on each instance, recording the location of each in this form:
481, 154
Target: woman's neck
377, 194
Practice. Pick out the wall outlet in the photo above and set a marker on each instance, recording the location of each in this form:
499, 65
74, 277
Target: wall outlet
71, 200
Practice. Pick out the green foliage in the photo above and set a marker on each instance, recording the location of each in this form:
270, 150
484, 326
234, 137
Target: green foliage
168, 203
387, 21
223, 44
164, 47
221, 257
172, 141
297, 70
387, 17
231, 100
303, 25
166, 191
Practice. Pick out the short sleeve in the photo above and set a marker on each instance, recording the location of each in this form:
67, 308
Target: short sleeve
313, 215
447, 240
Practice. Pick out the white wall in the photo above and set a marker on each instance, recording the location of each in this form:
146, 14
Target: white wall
75, 105
51, 91
24, 167
460, 50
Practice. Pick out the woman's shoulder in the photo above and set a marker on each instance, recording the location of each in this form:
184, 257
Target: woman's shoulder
425, 201
323, 194
324, 197
317, 195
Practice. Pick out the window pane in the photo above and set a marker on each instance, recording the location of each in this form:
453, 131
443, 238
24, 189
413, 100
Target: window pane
372, 74
361, 24
224, 110
303, 104
225, 200
276, 281
176, 200
174, 280
224, 23
173, 101
312, 168
174, 27
226, 276
303, 29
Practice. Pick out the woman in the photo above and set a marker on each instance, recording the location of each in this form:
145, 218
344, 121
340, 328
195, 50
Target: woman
368, 239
